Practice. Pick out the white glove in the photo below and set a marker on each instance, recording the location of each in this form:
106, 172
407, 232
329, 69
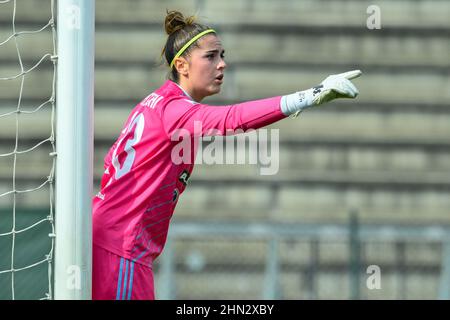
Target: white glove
333, 87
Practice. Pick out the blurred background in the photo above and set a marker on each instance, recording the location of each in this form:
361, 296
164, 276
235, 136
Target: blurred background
362, 185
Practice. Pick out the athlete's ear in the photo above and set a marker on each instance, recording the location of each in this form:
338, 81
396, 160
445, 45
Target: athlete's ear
182, 66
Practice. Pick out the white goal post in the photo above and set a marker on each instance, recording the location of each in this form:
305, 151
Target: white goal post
74, 148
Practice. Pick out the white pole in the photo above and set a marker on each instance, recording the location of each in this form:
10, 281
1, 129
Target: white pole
74, 148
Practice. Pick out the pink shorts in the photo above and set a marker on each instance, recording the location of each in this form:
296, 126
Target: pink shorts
118, 278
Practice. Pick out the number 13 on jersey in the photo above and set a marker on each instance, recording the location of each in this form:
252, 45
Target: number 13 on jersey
123, 159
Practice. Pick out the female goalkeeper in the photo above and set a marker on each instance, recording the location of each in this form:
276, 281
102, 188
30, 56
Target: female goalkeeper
143, 180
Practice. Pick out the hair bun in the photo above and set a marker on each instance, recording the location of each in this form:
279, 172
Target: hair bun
176, 21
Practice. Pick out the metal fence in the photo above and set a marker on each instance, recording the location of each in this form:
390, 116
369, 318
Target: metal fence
298, 261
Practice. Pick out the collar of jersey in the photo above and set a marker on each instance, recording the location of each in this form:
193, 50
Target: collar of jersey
184, 91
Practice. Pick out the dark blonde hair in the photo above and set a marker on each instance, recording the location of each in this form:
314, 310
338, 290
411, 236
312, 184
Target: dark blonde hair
180, 30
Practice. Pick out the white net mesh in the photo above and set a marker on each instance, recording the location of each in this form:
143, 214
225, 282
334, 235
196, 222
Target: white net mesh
23, 248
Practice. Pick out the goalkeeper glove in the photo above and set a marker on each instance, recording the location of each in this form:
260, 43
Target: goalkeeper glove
333, 87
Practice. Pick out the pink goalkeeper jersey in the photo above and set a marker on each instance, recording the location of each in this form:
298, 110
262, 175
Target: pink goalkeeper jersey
141, 184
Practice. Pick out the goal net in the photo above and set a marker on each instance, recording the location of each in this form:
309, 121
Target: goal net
27, 148
46, 148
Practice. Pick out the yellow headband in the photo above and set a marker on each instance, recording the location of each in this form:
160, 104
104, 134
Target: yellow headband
179, 53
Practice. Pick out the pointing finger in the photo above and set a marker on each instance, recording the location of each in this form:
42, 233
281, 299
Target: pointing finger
351, 74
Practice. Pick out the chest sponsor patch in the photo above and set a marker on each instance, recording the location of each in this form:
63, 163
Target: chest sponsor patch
184, 177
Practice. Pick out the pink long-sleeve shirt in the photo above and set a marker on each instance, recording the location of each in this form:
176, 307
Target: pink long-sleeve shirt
142, 182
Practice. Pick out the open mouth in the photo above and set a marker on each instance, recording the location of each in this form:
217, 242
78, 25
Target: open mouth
220, 78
